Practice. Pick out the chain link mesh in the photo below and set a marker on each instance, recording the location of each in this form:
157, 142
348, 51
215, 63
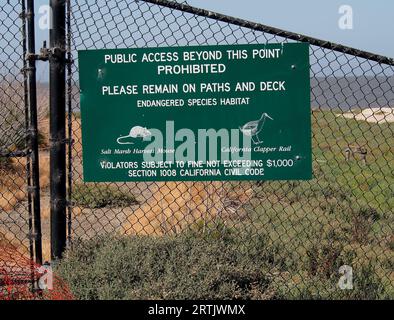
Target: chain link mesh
343, 216
15, 202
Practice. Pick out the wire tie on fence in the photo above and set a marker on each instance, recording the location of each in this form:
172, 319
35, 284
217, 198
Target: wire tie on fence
26, 14
32, 189
35, 57
58, 202
32, 235
56, 52
30, 56
47, 53
14, 154
69, 61
29, 14
70, 203
27, 69
31, 131
54, 142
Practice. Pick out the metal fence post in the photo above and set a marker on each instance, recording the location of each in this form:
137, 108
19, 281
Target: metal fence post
33, 131
57, 128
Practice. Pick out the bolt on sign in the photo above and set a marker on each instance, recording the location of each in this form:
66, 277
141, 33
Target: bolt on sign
239, 112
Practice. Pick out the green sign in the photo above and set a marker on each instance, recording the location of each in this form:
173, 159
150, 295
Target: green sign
239, 112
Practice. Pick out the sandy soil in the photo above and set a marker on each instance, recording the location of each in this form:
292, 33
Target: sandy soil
373, 115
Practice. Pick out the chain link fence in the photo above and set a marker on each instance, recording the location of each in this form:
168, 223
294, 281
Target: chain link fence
303, 234
15, 168
20, 173
344, 216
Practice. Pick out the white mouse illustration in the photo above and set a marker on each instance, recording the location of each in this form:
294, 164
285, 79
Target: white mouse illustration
135, 132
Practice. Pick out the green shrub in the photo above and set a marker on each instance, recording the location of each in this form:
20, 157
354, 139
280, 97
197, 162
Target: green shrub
13, 131
178, 267
366, 286
198, 266
4, 163
323, 259
362, 221
390, 243
99, 196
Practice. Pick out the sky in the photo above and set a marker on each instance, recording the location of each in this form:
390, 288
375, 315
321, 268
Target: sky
373, 22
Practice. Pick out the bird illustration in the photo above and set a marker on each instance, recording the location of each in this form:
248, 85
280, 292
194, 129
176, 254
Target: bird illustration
253, 128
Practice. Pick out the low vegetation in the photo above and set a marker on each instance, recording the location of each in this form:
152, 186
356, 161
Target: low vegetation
164, 268
99, 196
202, 266
288, 240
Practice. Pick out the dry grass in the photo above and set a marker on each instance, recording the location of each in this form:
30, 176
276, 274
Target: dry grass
43, 129
13, 175
77, 136
176, 205
12, 116
172, 206
12, 185
12, 113
7, 240
9, 249
46, 250
13, 181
